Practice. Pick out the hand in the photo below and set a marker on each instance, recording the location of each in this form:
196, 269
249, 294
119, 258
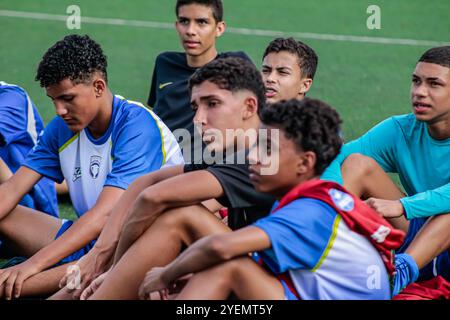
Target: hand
154, 282
386, 208
12, 279
89, 267
89, 291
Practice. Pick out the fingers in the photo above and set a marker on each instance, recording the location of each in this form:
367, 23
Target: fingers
9, 285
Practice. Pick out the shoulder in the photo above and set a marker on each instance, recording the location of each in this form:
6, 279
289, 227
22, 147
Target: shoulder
236, 54
312, 208
13, 96
134, 114
57, 132
170, 57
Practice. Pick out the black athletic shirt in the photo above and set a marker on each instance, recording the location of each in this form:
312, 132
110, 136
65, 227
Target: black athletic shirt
245, 205
169, 92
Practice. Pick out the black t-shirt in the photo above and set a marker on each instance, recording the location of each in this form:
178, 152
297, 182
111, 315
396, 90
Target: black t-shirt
169, 92
245, 205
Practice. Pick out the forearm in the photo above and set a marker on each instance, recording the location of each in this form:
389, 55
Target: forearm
142, 215
201, 255
428, 203
83, 231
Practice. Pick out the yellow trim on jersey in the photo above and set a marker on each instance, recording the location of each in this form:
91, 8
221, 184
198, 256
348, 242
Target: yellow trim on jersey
163, 149
330, 243
65, 145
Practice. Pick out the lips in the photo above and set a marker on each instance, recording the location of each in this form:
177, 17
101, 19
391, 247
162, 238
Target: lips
420, 107
191, 44
253, 174
270, 92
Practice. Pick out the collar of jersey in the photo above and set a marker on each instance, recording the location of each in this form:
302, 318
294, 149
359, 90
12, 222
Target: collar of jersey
106, 135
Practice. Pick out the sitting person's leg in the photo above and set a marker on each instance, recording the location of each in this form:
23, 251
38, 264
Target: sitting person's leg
241, 277
158, 245
424, 242
27, 231
363, 177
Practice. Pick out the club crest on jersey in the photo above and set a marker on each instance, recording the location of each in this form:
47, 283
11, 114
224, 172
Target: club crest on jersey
76, 174
94, 168
342, 200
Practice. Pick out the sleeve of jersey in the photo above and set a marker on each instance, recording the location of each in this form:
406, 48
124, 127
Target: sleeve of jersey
299, 234
12, 116
378, 143
44, 158
137, 150
428, 203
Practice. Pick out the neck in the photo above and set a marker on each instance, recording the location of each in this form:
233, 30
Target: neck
201, 60
300, 180
440, 130
100, 124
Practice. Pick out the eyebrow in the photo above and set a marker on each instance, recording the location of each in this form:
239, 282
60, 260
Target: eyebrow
428, 78
64, 95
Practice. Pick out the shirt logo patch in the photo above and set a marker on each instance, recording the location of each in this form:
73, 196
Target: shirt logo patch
94, 168
342, 200
163, 85
76, 174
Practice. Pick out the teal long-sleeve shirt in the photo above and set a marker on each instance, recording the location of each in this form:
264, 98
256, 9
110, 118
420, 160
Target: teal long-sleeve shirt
402, 145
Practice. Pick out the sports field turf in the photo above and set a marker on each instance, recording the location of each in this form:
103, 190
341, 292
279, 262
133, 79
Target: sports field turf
365, 81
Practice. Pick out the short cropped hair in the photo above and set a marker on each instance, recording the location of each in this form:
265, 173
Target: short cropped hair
438, 55
215, 5
75, 57
233, 74
312, 124
307, 57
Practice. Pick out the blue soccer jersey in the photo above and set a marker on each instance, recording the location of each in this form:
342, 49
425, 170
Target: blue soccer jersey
136, 142
20, 128
324, 258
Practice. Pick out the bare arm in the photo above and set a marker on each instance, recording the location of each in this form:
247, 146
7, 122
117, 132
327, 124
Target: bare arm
107, 242
5, 173
100, 257
204, 253
183, 190
84, 230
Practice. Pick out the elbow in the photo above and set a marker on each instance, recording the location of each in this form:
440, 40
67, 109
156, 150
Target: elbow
218, 248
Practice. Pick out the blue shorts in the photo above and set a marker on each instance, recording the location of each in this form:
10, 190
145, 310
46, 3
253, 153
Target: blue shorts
439, 265
77, 254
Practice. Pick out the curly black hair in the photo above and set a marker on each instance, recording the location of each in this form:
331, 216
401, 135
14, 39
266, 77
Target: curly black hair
438, 55
233, 74
215, 5
75, 57
307, 57
311, 123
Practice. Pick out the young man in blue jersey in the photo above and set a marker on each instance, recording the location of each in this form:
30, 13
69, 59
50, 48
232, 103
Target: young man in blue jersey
99, 143
199, 24
314, 236
417, 147
20, 128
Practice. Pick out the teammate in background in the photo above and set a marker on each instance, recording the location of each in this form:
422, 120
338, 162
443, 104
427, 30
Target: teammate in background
313, 237
417, 147
199, 24
99, 143
20, 128
288, 69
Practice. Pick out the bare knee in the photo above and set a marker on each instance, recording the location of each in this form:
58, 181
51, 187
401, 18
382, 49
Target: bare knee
358, 164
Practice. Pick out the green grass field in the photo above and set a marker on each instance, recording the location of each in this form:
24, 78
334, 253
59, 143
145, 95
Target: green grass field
365, 82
